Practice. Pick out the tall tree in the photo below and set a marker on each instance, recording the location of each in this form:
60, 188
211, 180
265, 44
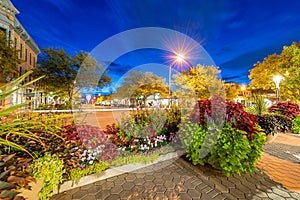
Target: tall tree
8, 57
61, 69
201, 82
286, 64
232, 91
138, 83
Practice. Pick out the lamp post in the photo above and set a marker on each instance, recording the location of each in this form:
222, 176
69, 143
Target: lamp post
178, 59
277, 80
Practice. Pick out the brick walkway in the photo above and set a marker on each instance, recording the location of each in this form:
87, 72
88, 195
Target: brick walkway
281, 161
277, 177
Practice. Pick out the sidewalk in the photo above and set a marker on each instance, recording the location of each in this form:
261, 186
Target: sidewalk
277, 177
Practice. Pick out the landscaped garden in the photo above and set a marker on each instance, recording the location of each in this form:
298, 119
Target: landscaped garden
51, 147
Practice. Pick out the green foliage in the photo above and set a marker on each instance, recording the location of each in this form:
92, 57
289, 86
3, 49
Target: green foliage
260, 106
287, 64
9, 126
9, 59
140, 158
138, 83
94, 168
61, 70
50, 169
200, 81
296, 123
232, 152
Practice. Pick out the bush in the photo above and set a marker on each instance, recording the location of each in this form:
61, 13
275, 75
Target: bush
274, 123
94, 168
214, 108
144, 130
296, 123
233, 152
50, 169
289, 109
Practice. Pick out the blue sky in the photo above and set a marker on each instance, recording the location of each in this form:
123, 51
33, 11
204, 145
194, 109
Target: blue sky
235, 33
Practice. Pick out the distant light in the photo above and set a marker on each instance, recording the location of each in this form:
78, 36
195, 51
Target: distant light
277, 80
243, 88
179, 57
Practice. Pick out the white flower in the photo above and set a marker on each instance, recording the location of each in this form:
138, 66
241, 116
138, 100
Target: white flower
91, 162
83, 159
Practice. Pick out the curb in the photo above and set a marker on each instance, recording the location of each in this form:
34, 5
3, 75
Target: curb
108, 173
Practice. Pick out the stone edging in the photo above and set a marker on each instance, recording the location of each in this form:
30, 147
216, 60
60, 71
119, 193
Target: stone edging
108, 173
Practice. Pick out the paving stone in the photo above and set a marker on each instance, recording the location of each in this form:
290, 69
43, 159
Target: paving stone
149, 178
89, 197
169, 184
228, 184
296, 196
125, 194
243, 188
139, 181
171, 194
201, 186
194, 193
280, 192
113, 197
213, 194
158, 181
130, 177
116, 190
108, 185
79, 194
128, 185
159, 189
102, 194
275, 196
93, 190
184, 196
149, 185
236, 193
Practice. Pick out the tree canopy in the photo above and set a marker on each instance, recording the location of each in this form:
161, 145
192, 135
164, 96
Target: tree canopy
287, 65
8, 57
137, 83
61, 69
200, 81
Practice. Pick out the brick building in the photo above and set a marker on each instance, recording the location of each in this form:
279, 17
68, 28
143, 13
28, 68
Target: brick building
28, 51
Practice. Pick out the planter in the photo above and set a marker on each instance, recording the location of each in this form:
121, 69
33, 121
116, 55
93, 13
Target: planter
271, 138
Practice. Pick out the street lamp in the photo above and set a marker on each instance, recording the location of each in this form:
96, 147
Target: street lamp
178, 59
277, 80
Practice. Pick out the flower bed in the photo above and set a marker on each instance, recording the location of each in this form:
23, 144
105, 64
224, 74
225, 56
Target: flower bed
77, 151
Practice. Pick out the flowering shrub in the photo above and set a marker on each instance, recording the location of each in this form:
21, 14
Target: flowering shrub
230, 139
289, 109
144, 130
235, 114
89, 156
94, 145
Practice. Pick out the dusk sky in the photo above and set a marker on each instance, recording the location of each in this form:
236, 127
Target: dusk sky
235, 33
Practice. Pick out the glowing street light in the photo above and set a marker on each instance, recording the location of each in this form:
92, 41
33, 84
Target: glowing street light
277, 80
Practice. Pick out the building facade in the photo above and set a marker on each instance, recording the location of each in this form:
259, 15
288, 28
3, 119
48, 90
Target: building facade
28, 52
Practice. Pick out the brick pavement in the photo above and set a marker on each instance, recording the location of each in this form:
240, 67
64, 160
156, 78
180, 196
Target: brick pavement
280, 161
275, 178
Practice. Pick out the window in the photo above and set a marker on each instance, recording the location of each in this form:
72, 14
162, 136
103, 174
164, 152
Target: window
16, 41
21, 50
26, 52
20, 71
30, 61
